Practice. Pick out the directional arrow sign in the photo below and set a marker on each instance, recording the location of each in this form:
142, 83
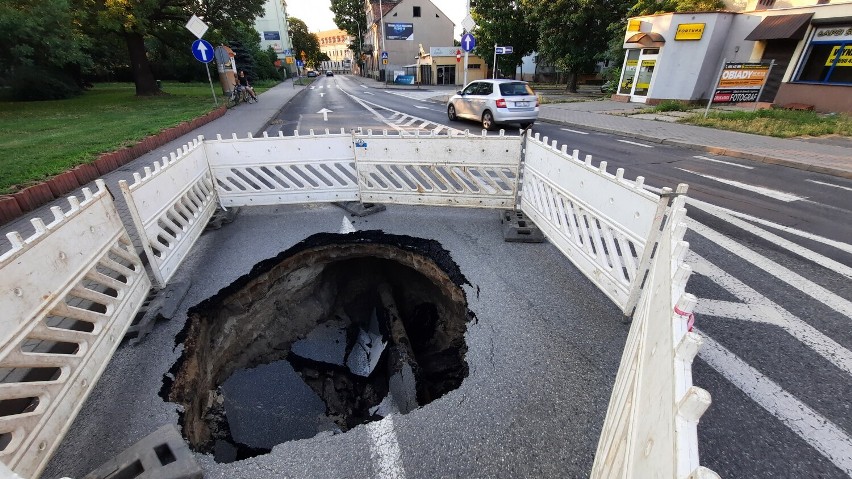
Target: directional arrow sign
468, 42
325, 112
202, 50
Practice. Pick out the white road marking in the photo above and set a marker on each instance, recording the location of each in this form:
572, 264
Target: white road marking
322, 94
830, 184
574, 131
804, 285
319, 86
426, 108
714, 160
774, 194
346, 226
634, 143
368, 93
384, 450
765, 311
819, 259
812, 427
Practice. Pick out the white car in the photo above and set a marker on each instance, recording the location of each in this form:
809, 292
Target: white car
495, 101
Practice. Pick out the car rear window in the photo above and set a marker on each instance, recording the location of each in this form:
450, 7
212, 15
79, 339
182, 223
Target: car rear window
515, 89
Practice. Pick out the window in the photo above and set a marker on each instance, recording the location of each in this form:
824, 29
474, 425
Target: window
474, 66
416, 11
515, 89
828, 58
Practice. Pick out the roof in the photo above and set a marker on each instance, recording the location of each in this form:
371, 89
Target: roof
779, 27
387, 6
646, 38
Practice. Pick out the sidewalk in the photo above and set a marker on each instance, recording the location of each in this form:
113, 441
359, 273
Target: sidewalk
828, 159
245, 118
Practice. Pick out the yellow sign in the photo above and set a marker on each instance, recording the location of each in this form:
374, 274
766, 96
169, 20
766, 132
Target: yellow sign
384, 61
289, 60
689, 31
845, 57
632, 63
743, 75
634, 25
648, 63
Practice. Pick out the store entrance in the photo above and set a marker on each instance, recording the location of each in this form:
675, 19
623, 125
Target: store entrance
638, 72
446, 75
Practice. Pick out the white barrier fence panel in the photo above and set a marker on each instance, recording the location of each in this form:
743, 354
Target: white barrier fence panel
440, 170
651, 424
283, 170
170, 207
601, 222
69, 294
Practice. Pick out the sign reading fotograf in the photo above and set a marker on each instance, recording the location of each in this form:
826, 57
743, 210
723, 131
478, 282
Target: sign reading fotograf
740, 83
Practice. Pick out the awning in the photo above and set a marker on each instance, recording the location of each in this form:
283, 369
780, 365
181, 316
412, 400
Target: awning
782, 27
647, 39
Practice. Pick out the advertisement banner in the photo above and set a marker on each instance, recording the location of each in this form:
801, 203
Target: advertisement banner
271, 35
735, 96
399, 31
845, 57
740, 82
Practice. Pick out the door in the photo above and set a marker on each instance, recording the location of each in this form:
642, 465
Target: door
463, 107
479, 100
638, 73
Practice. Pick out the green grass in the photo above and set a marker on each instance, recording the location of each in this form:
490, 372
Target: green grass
41, 139
778, 123
672, 105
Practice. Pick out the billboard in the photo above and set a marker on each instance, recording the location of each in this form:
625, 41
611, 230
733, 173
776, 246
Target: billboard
399, 31
740, 82
271, 35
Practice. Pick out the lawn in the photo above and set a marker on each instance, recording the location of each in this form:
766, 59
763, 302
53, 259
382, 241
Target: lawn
42, 139
778, 123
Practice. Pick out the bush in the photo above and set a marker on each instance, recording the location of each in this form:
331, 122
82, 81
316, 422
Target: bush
37, 84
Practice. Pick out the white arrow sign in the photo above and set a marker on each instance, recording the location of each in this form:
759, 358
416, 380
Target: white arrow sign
203, 51
325, 112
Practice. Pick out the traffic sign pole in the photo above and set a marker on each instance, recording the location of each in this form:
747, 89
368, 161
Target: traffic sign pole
210, 80
494, 74
464, 82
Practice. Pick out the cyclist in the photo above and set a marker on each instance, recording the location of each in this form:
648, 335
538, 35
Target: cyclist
244, 84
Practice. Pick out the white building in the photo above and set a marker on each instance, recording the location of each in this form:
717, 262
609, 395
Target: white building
272, 26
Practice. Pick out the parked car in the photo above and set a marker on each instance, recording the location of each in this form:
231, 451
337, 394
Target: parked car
312, 74
329, 73
495, 101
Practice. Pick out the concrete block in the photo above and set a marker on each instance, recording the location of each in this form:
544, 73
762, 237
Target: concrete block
356, 208
517, 228
160, 455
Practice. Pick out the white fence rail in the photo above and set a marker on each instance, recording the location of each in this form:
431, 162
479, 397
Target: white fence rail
601, 222
69, 293
170, 207
651, 424
283, 170
455, 170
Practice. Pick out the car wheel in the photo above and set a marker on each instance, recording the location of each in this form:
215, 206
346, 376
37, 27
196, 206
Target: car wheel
451, 113
526, 124
487, 120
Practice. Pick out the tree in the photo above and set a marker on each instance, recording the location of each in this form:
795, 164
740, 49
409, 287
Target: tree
573, 33
350, 17
503, 22
650, 7
137, 20
305, 41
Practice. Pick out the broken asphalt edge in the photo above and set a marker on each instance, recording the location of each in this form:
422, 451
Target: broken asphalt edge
716, 150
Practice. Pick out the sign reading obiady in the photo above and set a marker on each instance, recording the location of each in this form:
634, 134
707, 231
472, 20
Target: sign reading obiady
739, 83
689, 31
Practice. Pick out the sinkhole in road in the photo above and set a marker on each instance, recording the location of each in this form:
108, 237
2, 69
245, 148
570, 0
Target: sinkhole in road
337, 331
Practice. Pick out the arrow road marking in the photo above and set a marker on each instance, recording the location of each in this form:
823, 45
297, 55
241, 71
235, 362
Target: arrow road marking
202, 50
829, 184
714, 160
313, 87
322, 95
775, 194
325, 112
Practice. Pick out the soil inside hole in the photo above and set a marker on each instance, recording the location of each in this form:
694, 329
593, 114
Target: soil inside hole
337, 331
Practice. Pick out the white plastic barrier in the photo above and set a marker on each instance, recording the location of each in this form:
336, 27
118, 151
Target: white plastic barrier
651, 424
456, 170
601, 222
170, 207
69, 293
283, 170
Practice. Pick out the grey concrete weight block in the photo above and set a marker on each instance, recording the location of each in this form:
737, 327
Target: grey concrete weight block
517, 228
160, 455
356, 208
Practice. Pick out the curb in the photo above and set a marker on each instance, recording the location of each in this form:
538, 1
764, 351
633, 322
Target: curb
714, 150
32, 197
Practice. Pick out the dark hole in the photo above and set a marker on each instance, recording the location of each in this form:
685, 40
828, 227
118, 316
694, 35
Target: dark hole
164, 454
524, 232
522, 224
134, 469
338, 331
5, 440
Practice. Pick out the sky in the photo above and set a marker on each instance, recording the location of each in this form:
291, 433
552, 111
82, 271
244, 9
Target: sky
317, 13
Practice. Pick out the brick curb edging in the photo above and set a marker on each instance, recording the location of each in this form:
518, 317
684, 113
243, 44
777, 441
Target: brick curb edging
16, 204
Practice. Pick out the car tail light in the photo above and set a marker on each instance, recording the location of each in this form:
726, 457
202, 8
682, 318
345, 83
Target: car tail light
501, 103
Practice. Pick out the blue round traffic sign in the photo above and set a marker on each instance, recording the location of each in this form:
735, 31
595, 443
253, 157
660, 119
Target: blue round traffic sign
468, 42
202, 50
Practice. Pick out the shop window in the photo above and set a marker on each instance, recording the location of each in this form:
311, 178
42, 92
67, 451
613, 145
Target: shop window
829, 62
474, 66
416, 11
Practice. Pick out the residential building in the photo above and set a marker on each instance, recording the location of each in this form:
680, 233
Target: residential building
679, 56
272, 26
335, 44
402, 28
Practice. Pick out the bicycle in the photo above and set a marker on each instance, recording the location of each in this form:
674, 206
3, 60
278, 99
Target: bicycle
238, 95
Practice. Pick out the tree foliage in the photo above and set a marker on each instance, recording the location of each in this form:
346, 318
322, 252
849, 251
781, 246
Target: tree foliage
349, 16
504, 22
650, 7
305, 41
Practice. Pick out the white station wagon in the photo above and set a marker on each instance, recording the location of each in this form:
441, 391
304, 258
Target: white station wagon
495, 101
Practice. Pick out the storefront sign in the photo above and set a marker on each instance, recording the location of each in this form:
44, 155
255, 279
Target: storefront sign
443, 51
634, 25
689, 31
845, 57
399, 31
833, 34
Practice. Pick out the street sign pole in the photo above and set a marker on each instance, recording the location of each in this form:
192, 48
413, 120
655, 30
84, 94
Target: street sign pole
494, 73
464, 81
210, 80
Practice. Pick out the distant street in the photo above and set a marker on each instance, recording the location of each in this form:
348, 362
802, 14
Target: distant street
771, 248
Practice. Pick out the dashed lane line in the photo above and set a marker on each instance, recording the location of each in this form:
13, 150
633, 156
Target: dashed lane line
574, 131
634, 143
730, 163
829, 184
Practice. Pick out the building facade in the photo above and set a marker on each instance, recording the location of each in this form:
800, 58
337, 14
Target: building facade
335, 44
272, 26
402, 28
678, 56
441, 67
